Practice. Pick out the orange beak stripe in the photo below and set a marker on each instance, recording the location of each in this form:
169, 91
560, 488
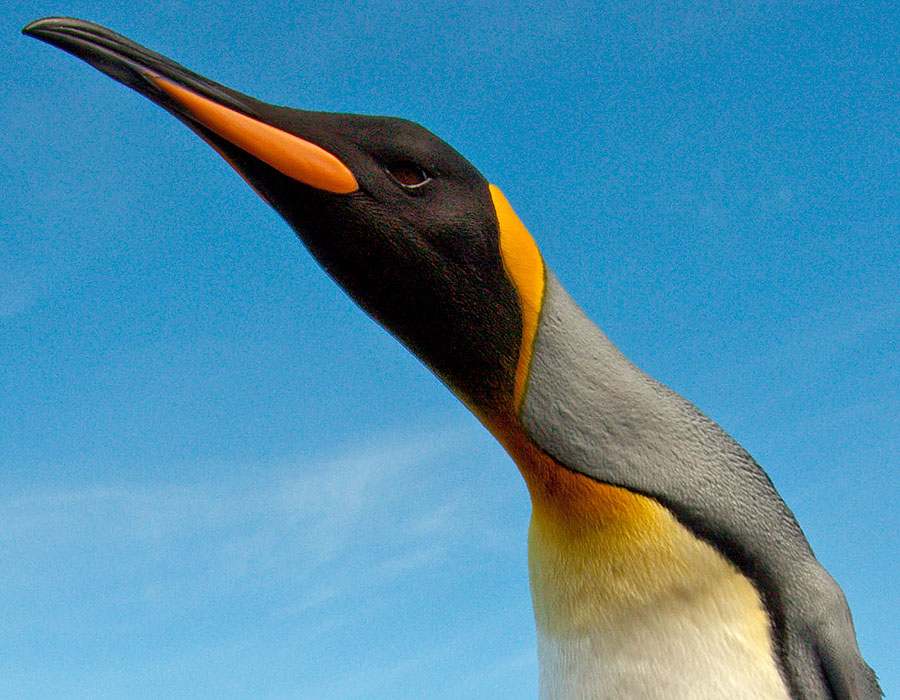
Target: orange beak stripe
288, 154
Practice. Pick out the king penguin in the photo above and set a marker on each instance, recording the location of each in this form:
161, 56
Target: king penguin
663, 563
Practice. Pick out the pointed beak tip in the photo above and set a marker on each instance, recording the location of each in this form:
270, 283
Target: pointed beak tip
35, 28
31, 28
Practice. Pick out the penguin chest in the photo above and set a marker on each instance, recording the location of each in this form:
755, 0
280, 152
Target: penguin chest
629, 604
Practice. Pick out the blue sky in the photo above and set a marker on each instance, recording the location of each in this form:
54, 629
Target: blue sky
218, 478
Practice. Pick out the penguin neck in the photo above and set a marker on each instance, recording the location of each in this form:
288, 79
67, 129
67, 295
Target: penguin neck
628, 602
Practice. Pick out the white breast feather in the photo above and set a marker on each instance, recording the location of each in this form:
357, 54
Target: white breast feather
639, 608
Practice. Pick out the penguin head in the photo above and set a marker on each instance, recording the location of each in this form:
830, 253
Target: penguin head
405, 225
417, 246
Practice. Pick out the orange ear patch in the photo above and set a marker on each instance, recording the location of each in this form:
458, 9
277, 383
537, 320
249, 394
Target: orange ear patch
525, 268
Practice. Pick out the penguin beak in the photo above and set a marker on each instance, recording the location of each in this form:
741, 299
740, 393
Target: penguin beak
224, 118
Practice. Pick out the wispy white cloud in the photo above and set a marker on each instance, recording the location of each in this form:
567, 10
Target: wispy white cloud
303, 517
320, 549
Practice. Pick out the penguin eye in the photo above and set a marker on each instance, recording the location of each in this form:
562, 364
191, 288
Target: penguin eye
408, 174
